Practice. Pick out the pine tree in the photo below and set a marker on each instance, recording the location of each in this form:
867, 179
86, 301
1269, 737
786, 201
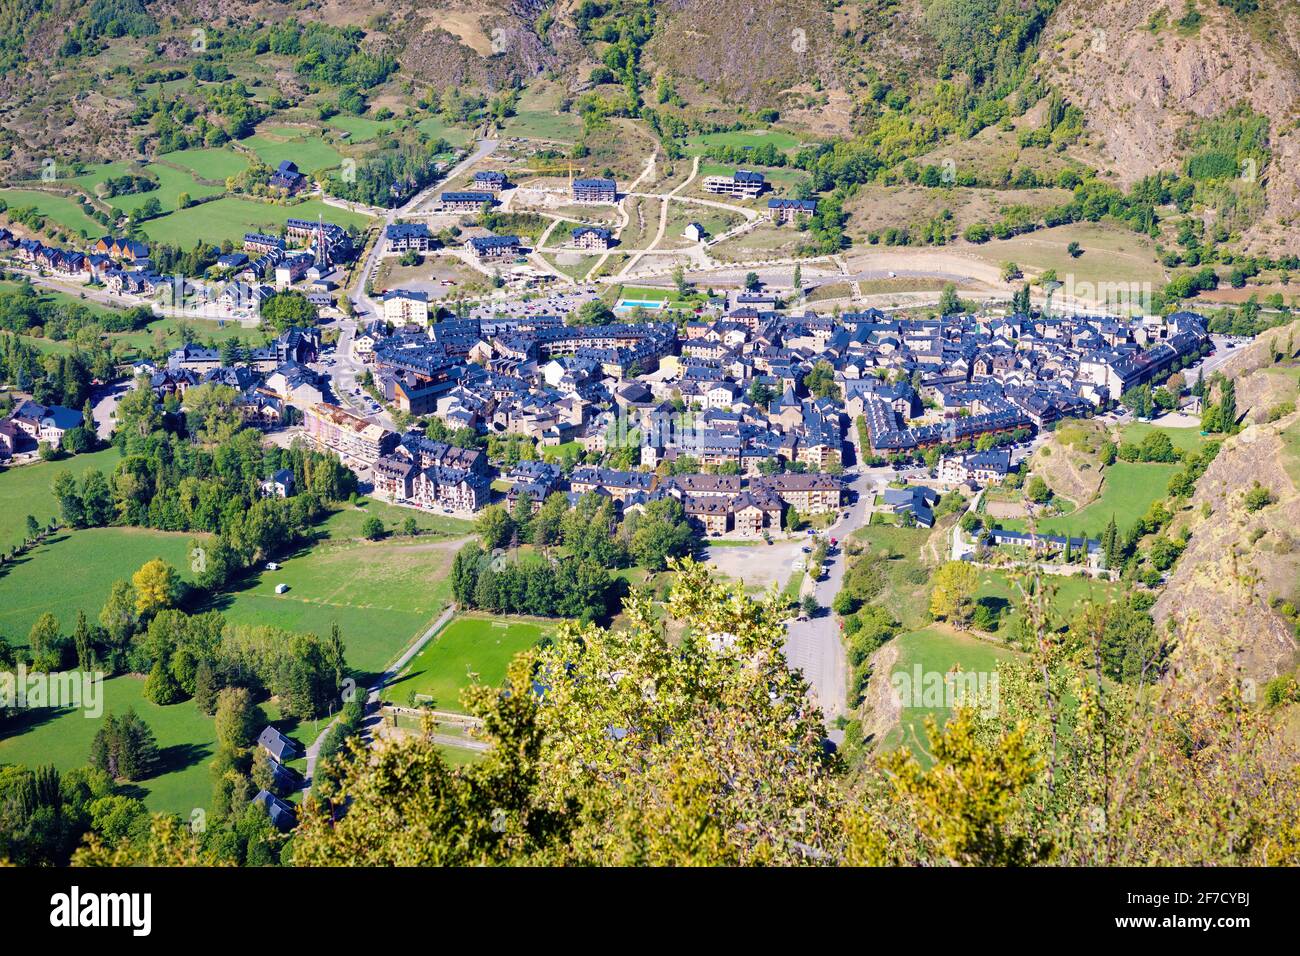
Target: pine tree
81, 640
205, 689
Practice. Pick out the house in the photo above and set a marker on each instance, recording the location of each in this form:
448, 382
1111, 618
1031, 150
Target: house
11, 438
495, 247
465, 201
789, 210
279, 485
280, 747
287, 178
806, 493
409, 236
742, 184
406, 307
695, 232
983, 468
232, 260
914, 500
261, 244
592, 237
594, 191
490, 180
45, 423
282, 814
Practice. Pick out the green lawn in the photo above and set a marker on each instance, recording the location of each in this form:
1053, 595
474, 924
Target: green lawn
25, 490
381, 594
171, 183
1183, 439
58, 209
470, 644
936, 651
231, 217
359, 128
744, 138
208, 163
1127, 492
74, 570
186, 743
310, 152
997, 589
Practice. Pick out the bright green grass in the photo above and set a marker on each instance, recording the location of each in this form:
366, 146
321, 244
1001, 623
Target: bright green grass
936, 651
74, 570
435, 128
470, 644
742, 138
998, 589
311, 153
359, 128
186, 743
58, 209
231, 217
1127, 492
381, 594
1183, 439
209, 163
171, 183
25, 490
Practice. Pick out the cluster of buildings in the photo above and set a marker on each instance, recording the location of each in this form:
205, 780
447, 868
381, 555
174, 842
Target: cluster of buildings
30, 424
270, 381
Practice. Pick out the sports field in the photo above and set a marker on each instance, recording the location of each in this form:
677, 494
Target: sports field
471, 645
230, 217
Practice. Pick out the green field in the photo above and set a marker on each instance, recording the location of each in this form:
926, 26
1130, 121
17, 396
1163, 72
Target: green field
25, 490
171, 183
936, 651
186, 743
1127, 492
209, 163
358, 128
744, 139
1183, 439
538, 117
470, 644
998, 590
381, 594
435, 128
74, 570
309, 151
906, 594
231, 217
58, 209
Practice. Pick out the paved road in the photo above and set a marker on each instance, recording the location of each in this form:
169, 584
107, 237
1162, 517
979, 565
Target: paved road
372, 695
815, 646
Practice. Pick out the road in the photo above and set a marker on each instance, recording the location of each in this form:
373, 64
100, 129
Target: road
815, 645
372, 695
360, 298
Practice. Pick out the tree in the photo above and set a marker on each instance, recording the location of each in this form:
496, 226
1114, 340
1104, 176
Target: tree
161, 686
494, 527
1036, 490
124, 747
752, 282
155, 586
954, 586
236, 720
372, 528
68, 495
949, 303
